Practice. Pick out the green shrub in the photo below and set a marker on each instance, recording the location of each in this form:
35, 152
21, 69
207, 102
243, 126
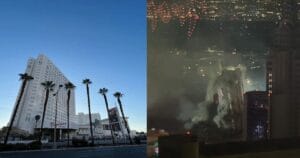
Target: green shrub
79, 142
35, 145
12, 147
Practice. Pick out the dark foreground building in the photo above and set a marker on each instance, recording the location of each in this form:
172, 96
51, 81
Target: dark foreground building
283, 76
256, 103
189, 146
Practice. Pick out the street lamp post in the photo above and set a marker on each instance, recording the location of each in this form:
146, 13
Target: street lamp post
55, 94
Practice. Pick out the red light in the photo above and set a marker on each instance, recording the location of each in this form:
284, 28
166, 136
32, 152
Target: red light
188, 133
186, 12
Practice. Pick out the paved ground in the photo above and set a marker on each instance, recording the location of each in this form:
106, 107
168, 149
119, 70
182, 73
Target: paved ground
136, 151
292, 153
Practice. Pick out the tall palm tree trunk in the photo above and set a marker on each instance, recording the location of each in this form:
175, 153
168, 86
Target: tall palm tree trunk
44, 111
126, 125
68, 115
109, 121
69, 86
90, 117
15, 111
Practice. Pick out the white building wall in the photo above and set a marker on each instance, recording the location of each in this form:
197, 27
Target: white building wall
83, 125
83, 119
42, 69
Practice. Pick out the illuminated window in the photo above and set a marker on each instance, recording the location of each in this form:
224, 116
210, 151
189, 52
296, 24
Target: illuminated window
270, 91
270, 86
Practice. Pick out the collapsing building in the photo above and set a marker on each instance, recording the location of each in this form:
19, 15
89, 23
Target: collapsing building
221, 114
227, 94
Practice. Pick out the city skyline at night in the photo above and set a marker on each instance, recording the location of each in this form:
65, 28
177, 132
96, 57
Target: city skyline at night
201, 60
187, 13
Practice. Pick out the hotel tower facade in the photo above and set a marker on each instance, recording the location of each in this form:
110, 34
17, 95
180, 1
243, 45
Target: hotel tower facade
42, 69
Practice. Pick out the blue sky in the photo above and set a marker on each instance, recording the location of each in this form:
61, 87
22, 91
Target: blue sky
97, 39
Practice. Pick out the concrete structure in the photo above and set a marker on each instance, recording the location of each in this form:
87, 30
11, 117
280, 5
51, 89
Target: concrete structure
83, 119
256, 103
42, 69
102, 128
119, 132
283, 76
132, 151
83, 125
117, 122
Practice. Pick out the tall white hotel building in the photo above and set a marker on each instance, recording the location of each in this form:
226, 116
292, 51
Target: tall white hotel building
42, 69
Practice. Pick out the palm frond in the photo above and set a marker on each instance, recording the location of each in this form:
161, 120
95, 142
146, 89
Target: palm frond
25, 76
118, 94
48, 85
86, 81
103, 91
69, 85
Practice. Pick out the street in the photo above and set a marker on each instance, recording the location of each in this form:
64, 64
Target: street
134, 151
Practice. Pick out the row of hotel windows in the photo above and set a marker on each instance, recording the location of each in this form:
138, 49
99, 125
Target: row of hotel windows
49, 115
269, 84
51, 71
28, 117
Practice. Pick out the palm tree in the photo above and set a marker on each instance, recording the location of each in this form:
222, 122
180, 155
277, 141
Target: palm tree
55, 124
103, 92
25, 77
48, 85
118, 95
69, 86
87, 82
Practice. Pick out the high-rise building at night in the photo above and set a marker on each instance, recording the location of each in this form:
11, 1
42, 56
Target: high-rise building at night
283, 76
256, 103
32, 103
